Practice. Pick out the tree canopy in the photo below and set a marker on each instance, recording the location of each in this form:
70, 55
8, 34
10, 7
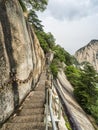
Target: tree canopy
36, 5
34, 20
85, 90
30, 7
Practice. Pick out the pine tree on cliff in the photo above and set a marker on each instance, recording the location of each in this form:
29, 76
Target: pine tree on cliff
37, 5
30, 7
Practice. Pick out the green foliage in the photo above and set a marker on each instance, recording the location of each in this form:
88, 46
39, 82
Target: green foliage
23, 5
63, 56
30, 6
85, 91
50, 40
34, 20
46, 40
67, 124
42, 39
36, 5
54, 68
94, 111
73, 74
68, 58
60, 55
74, 61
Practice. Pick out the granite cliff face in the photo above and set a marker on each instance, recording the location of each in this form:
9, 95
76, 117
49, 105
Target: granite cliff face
89, 53
21, 57
76, 115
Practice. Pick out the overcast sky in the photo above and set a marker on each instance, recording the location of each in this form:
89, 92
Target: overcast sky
73, 23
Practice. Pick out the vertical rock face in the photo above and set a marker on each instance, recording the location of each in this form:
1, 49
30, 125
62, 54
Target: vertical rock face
89, 53
20, 56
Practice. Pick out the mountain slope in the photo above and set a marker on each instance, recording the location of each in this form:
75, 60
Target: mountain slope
89, 53
76, 115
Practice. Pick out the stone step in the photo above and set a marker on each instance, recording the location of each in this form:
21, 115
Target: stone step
37, 97
36, 94
27, 119
25, 112
43, 77
24, 126
33, 105
30, 115
41, 83
35, 100
40, 88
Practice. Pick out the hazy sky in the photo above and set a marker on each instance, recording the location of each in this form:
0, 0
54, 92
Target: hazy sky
73, 23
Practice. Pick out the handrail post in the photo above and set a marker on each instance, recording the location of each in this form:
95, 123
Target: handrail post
60, 112
47, 102
51, 112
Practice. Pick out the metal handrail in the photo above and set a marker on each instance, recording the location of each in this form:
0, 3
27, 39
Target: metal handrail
47, 99
51, 112
49, 103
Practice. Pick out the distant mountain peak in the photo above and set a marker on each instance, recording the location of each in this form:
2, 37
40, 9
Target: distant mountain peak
94, 41
89, 53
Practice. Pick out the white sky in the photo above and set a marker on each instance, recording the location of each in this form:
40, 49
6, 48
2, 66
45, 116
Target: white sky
74, 23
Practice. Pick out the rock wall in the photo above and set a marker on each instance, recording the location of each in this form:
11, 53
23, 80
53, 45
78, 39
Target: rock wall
77, 117
89, 53
21, 57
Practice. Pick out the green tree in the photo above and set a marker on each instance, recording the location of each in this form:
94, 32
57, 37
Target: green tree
94, 111
59, 53
73, 74
85, 87
85, 91
54, 67
23, 5
42, 36
30, 7
63, 55
34, 20
50, 40
47, 40
37, 5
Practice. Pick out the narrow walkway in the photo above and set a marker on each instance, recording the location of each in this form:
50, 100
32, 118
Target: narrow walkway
30, 116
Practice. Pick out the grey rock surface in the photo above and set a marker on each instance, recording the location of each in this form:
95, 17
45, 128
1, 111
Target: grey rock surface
89, 53
76, 115
20, 55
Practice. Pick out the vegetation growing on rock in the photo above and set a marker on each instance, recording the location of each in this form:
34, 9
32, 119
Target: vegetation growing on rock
85, 91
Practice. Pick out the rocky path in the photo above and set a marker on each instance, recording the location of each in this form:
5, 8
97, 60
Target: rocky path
30, 115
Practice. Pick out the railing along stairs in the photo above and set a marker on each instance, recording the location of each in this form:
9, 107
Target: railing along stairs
52, 107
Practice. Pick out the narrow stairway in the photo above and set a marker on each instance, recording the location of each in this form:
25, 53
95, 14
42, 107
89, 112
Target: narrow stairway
30, 115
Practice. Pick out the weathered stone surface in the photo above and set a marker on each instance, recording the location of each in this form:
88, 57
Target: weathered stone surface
89, 53
76, 115
30, 115
19, 51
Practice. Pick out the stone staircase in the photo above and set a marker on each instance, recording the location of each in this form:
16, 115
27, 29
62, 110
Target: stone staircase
30, 115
